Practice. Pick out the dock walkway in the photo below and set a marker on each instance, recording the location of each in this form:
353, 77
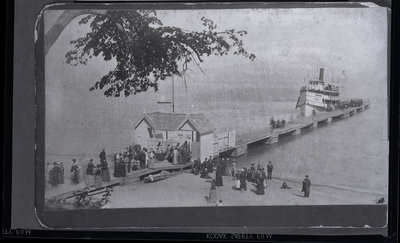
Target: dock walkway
269, 137
132, 177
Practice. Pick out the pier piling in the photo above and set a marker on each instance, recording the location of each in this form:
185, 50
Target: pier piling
273, 139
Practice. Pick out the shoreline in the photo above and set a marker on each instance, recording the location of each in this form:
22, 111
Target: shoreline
189, 190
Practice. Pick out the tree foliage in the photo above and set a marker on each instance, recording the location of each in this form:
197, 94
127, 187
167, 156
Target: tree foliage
146, 51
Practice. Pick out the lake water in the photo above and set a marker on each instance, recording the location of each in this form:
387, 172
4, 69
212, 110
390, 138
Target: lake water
352, 152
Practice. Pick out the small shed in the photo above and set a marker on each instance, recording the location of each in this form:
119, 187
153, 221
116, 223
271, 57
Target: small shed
158, 128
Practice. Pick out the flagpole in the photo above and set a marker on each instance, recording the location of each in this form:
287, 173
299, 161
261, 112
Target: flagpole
173, 96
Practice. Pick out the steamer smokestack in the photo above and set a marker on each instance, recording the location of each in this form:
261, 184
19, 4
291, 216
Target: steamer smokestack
321, 74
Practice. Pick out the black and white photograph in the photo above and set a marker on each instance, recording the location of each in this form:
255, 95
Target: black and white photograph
215, 107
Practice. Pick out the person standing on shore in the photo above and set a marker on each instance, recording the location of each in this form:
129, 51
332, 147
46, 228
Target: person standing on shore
243, 176
233, 171
252, 173
122, 166
218, 175
75, 170
212, 198
260, 184
226, 165
209, 164
89, 180
196, 167
306, 186
270, 167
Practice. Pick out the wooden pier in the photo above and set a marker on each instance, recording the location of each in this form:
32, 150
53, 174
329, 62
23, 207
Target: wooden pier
131, 178
293, 128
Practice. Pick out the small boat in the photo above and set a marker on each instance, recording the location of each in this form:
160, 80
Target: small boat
158, 177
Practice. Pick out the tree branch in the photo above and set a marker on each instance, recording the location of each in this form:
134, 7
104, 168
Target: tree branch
65, 18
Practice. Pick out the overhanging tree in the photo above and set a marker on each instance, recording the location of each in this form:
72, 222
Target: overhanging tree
145, 51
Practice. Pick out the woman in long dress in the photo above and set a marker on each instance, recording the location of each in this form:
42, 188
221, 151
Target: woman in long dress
75, 170
218, 175
105, 173
243, 176
53, 174
175, 156
98, 181
259, 184
89, 180
61, 173
212, 198
122, 166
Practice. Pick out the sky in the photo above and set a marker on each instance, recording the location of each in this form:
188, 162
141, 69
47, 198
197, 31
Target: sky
350, 44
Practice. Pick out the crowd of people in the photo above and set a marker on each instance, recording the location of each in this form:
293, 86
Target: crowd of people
277, 124
133, 158
136, 158
241, 176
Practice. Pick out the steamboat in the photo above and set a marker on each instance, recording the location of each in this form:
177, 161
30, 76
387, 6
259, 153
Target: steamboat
317, 96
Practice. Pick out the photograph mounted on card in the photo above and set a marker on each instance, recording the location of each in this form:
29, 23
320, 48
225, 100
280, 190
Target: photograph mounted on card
212, 107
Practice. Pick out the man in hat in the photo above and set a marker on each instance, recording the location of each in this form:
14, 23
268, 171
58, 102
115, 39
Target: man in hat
270, 167
306, 186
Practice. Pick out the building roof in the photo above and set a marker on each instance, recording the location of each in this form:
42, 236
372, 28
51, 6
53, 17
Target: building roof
175, 121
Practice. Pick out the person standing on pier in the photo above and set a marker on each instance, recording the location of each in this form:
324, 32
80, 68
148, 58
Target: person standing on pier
126, 163
75, 170
61, 176
151, 158
105, 172
102, 155
98, 181
270, 167
175, 157
89, 180
54, 172
306, 186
